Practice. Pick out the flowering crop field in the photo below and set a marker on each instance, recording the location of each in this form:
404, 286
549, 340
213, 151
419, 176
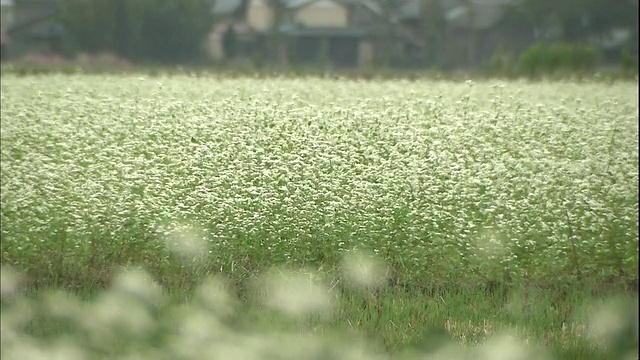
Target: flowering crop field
462, 186
446, 182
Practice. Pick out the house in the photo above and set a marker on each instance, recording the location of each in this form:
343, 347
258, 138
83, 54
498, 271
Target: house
7, 19
319, 32
476, 29
8, 7
228, 15
396, 28
334, 33
30, 25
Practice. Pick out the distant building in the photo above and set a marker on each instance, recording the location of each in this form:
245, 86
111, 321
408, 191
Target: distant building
8, 7
7, 19
336, 33
29, 25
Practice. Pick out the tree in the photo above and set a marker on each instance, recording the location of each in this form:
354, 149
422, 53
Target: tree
148, 30
434, 30
579, 20
89, 24
175, 30
276, 41
230, 43
389, 30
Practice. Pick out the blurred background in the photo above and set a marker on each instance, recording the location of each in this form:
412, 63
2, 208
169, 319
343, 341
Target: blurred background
498, 36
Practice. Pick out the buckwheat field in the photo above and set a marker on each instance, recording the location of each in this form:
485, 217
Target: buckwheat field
193, 217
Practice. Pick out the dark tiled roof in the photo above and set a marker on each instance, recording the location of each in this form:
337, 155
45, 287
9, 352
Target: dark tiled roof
226, 7
294, 4
51, 4
407, 9
477, 15
330, 32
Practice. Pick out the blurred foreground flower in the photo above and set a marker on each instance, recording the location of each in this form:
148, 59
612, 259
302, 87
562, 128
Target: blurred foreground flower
296, 294
363, 271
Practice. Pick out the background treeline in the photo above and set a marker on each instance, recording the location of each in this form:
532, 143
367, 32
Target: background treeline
568, 32
140, 30
537, 36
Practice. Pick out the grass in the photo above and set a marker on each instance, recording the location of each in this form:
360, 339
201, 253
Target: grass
106, 64
343, 218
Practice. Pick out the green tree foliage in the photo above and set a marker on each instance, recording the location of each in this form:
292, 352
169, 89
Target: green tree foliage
434, 30
230, 43
276, 40
147, 30
388, 30
572, 57
580, 19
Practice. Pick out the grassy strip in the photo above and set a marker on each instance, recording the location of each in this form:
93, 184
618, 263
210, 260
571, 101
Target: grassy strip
26, 68
290, 318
